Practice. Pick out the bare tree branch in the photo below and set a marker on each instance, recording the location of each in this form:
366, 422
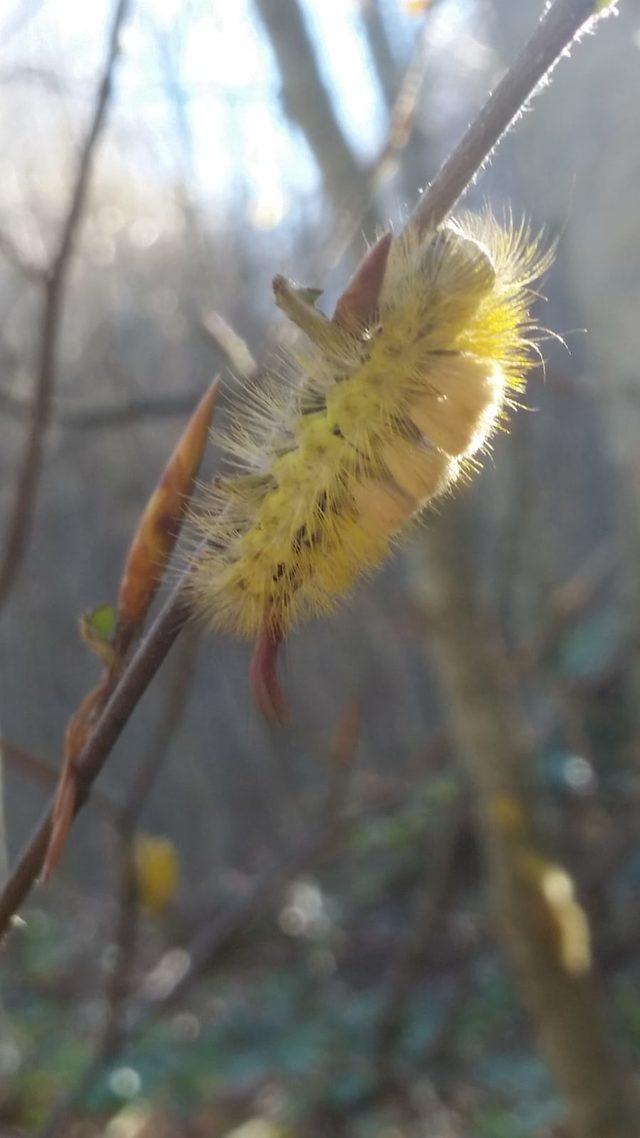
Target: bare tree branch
558, 29
55, 286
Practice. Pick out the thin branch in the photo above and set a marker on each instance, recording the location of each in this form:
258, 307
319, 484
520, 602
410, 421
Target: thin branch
55, 287
378, 43
558, 30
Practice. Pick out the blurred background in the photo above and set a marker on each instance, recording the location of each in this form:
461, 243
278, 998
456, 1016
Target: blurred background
311, 947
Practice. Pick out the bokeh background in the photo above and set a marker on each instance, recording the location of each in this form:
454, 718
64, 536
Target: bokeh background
333, 916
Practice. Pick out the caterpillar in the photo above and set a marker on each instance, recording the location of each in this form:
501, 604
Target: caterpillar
382, 411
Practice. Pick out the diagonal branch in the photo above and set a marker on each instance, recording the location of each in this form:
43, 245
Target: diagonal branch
559, 28
54, 282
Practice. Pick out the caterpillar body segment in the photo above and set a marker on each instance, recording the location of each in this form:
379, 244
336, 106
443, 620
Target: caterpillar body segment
392, 398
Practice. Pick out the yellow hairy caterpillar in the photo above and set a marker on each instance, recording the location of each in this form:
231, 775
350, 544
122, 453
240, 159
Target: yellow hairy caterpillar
392, 398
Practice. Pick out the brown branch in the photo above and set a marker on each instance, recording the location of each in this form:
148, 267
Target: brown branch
557, 31
55, 287
174, 710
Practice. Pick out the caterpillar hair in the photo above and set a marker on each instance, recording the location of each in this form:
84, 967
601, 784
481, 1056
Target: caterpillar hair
384, 410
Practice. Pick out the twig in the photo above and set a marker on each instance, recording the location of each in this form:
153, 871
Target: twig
558, 29
55, 286
380, 48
